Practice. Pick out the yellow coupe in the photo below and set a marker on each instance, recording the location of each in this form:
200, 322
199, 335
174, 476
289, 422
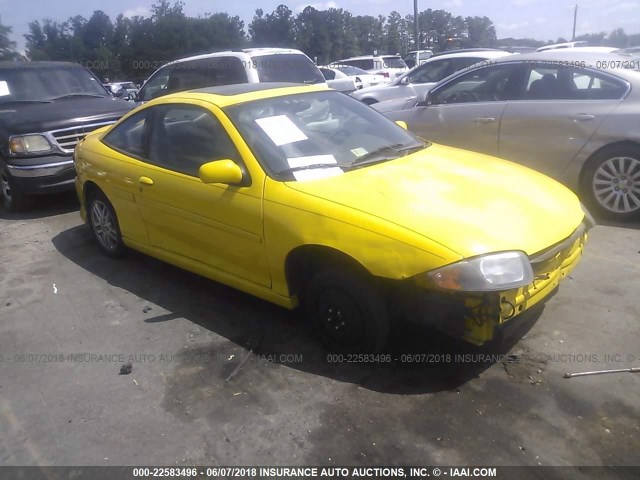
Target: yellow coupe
303, 196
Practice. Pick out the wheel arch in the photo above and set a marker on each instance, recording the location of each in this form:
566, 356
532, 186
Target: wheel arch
303, 261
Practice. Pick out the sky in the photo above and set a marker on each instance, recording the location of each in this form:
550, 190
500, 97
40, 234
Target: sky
538, 19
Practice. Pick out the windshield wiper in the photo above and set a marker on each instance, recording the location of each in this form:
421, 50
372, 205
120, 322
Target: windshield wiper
71, 95
376, 156
307, 167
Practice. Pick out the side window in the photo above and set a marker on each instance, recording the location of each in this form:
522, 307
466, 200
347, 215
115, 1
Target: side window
460, 63
488, 84
157, 85
431, 72
185, 137
130, 136
569, 83
588, 85
328, 74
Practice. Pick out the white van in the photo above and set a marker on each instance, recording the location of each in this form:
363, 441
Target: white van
249, 65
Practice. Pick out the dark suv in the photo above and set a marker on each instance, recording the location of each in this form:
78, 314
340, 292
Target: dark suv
46, 108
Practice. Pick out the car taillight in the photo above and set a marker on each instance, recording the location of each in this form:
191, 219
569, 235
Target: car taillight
385, 74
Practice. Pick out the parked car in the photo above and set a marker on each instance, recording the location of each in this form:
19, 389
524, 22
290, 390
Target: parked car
249, 65
342, 84
360, 78
574, 117
419, 80
45, 109
303, 195
417, 57
389, 66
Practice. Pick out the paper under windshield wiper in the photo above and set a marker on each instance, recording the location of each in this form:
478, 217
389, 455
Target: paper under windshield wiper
71, 95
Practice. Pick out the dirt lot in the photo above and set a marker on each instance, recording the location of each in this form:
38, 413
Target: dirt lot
221, 378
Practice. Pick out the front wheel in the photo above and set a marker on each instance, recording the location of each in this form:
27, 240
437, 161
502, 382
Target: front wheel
104, 225
611, 182
13, 199
347, 310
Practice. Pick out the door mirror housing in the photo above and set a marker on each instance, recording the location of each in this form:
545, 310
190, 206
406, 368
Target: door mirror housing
133, 97
117, 91
425, 101
221, 171
403, 124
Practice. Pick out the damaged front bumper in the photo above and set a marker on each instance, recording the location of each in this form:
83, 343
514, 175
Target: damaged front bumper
479, 317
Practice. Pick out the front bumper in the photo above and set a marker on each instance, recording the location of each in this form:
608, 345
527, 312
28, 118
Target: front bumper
479, 317
44, 174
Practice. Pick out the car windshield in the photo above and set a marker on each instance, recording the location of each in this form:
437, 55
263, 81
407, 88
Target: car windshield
351, 71
393, 62
38, 83
317, 134
287, 67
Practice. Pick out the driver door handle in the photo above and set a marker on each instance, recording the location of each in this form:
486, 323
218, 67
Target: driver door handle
146, 181
583, 117
484, 120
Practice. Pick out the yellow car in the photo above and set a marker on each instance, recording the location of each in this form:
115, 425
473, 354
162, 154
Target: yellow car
303, 196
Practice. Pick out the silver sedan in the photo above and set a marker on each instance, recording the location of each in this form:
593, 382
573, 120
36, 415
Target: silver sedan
574, 117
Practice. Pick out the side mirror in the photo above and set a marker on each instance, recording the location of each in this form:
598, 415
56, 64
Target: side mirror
402, 124
426, 101
221, 171
405, 80
117, 91
133, 97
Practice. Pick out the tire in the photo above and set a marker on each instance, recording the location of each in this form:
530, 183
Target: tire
611, 182
104, 225
347, 311
13, 199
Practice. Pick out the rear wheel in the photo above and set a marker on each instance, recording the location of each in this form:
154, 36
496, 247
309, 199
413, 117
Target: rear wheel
611, 182
13, 199
347, 310
104, 225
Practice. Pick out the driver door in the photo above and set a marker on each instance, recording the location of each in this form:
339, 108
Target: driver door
466, 111
217, 225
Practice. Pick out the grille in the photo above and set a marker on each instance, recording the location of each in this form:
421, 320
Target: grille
68, 138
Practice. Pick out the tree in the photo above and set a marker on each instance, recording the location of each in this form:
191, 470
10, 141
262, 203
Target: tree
276, 29
480, 32
7, 47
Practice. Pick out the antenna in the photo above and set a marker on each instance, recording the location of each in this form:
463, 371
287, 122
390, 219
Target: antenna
575, 17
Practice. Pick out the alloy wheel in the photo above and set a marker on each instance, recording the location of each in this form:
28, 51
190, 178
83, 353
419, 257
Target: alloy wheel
616, 184
5, 186
104, 225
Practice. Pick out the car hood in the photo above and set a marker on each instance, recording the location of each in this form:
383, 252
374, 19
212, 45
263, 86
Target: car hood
468, 202
41, 117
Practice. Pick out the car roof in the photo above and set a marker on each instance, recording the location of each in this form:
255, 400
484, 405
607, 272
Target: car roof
224, 96
253, 52
599, 60
471, 52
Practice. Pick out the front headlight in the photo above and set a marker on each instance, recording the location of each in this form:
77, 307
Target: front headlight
486, 273
29, 144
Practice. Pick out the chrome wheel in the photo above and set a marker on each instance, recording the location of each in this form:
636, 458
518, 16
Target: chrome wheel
616, 184
104, 226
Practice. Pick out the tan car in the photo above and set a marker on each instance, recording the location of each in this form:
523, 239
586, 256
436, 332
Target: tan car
573, 116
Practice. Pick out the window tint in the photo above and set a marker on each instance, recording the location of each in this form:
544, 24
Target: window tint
393, 62
328, 74
156, 86
287, 67
365, 64
186, 137
568, 83
430, 72
129, 137
488, 84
